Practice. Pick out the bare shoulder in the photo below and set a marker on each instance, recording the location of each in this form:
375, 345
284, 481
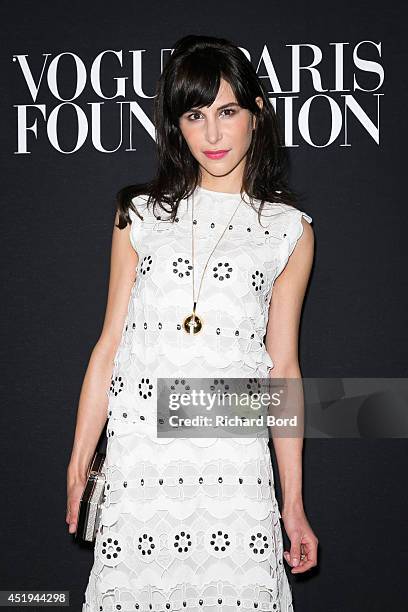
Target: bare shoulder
308, 236
301, 258
123, 265
298, 252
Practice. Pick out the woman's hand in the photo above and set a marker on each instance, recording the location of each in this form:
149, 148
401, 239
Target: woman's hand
303, 549
75, 488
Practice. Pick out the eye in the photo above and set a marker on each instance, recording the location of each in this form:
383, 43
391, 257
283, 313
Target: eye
191, 115
231, 111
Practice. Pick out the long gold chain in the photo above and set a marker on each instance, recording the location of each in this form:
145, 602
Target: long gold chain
193, 323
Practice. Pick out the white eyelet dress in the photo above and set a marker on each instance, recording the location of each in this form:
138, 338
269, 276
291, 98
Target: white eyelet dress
192, 523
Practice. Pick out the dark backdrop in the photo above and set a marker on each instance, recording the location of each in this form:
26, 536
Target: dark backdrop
348, 149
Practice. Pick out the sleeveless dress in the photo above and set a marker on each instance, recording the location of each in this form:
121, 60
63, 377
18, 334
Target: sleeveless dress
190, 523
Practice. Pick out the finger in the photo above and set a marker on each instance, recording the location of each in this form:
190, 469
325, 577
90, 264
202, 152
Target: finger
288, 558
74, 508
73, 519
295, 550
308, 562
310, 550
303, 568
303, 560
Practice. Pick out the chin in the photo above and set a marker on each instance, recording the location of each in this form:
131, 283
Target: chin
219, 166
218, 172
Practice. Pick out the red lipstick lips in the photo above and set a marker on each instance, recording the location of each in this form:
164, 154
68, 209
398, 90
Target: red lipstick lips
216, 154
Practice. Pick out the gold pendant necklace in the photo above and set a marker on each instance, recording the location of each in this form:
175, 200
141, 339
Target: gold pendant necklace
193, 323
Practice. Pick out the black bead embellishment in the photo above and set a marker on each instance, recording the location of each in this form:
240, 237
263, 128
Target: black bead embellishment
145, 264
146, 393
219, 269
180, 273
118, 382
258, 280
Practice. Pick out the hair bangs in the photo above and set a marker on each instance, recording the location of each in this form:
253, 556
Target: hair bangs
196, 85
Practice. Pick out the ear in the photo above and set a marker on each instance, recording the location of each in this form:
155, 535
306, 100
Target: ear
259, 102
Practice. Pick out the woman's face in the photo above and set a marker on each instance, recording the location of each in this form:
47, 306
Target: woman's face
223, 126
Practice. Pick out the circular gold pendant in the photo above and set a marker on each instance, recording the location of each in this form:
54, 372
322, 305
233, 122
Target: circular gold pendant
192, 324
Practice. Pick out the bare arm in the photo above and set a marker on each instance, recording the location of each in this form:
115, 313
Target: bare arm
282, 345
93, 401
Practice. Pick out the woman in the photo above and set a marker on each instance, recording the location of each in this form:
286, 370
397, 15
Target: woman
193, 523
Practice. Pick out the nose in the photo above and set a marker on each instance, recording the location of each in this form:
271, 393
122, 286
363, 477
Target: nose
213, 130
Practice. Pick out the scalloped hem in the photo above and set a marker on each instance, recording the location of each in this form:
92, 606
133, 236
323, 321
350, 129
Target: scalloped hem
222, 595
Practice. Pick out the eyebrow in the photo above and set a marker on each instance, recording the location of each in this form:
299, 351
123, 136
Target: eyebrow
220, 107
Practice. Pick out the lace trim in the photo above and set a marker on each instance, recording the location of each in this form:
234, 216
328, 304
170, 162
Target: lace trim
219, 595
181, 483
183, 478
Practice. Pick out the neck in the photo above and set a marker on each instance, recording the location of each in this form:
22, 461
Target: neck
233, 187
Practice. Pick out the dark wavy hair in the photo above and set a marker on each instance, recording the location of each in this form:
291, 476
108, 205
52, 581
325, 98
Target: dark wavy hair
191, 78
